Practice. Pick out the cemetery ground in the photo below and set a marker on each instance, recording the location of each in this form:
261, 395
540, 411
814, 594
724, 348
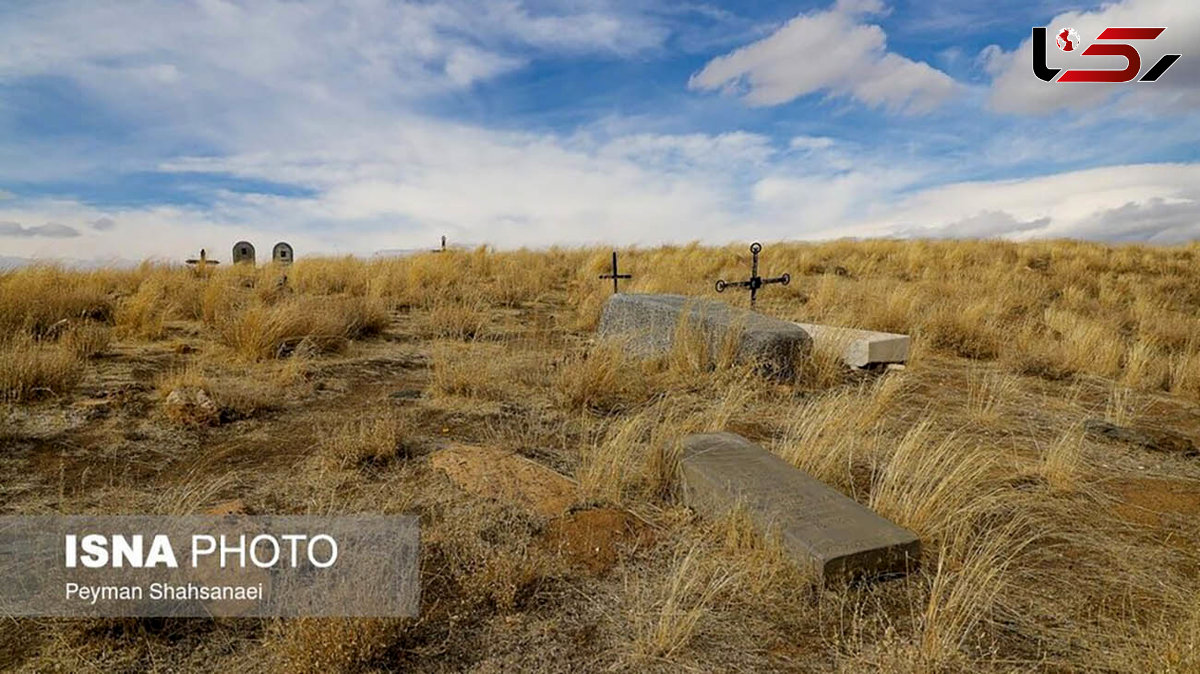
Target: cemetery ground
1039, 441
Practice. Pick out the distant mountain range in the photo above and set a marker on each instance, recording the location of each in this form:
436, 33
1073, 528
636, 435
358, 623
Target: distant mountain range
8, 262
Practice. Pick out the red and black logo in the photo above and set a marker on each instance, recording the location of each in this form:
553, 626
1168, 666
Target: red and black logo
1068, 40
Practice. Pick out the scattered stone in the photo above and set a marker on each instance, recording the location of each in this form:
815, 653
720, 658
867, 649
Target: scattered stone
860, 348
1155, 440
506, 476
94, 408
650, 323
594, 539
406, 394
58, 329
819, 527
192, 406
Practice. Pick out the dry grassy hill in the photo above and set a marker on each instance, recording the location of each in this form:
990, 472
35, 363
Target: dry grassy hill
354, 386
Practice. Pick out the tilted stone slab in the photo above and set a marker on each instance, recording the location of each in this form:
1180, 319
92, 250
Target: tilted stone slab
650, 323
860, 348
818, 526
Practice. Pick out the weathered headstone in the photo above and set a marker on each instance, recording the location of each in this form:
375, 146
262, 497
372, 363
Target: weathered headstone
650, 323
243, 252
860, 348
282, 253
817, 525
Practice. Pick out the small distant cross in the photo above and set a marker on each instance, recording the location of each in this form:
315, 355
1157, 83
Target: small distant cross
755, 281
614, 275
203, 262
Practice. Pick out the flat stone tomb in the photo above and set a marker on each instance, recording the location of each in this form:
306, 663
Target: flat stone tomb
819, 527
650, 323
860, 348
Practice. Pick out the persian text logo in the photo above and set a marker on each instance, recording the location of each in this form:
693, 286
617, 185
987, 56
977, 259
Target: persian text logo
1106, 44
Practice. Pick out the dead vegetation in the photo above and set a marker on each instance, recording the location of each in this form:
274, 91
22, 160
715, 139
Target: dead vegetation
334, 382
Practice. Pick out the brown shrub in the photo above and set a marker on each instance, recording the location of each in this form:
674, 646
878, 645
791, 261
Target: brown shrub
30, 370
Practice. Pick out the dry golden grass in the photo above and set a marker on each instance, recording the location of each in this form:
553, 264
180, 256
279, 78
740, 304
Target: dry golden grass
365, 441
309, 326
30, 370
87, 340
673, 620
329, 644
1044, 548
602, 379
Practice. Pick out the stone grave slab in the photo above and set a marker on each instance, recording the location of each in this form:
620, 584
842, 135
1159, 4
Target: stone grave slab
819, 527
860, 348
649, 322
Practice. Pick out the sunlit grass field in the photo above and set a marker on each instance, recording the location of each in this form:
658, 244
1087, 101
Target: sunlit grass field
329, 384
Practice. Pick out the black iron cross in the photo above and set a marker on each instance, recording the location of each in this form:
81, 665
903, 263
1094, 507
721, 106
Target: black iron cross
614, 275
755, 281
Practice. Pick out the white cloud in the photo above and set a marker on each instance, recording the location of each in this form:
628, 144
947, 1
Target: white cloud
1016, 89
144, 57
1158, 203
424, 179
831, 51
50, 230
319, 96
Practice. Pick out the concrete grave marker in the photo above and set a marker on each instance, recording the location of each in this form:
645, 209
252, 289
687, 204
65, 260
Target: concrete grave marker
282, 253
650, 323
860, 348
819, 527
243, 251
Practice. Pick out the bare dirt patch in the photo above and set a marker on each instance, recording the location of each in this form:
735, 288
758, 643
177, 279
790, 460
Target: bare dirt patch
595, 539
506, 476
1150, 501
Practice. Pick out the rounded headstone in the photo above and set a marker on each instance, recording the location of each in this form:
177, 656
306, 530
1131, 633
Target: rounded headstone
282, 253
243, 251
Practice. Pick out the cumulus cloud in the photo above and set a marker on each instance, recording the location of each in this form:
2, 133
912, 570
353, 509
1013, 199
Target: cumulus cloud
513, 189
832, 51
1015, 89
319, 97
983, 225
1157, 203
270, 54
50, 230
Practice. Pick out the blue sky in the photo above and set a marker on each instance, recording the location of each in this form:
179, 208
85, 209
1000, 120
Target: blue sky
150, 129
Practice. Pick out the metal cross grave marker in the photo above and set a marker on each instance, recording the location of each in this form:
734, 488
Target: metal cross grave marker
202, 262
755, 281
614, 275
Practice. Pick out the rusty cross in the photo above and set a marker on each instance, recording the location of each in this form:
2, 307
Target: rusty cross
755, 281
203, 262
614, 275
